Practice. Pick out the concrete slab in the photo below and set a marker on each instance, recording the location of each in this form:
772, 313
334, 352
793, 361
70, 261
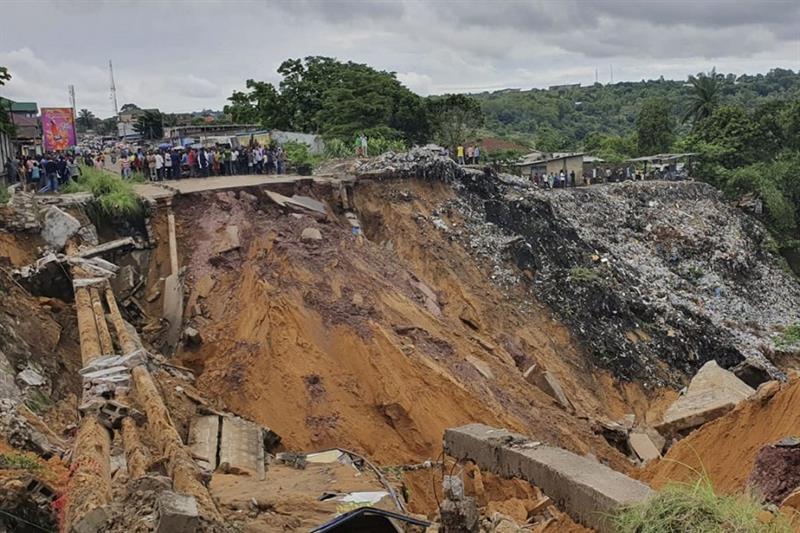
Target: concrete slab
58, 226
177, 513
173, 309
712, 392
642, 446
549, 384
204, 440
229, 240
242, 446
588, 491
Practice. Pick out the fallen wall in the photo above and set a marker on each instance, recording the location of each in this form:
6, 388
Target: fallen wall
588, 491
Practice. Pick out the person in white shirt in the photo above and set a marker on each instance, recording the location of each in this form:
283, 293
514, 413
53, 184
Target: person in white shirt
159, 166
168, 167
235, 162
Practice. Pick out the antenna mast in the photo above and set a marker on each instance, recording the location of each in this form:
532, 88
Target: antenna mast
113, 88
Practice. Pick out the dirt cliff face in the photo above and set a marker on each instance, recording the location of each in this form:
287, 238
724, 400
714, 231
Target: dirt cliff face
375, 343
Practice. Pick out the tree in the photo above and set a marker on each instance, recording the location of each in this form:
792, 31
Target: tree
454, 118
128, 107
150, 125
654, 128
704, 97
86, 120
107, 126
333, 98
5, 124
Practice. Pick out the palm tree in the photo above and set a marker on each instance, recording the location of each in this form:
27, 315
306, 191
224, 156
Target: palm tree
86, 119
704, 98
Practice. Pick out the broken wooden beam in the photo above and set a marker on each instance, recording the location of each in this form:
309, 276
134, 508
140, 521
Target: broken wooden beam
105, 247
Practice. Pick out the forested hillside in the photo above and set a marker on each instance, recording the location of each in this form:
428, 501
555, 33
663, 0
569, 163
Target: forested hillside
562, 118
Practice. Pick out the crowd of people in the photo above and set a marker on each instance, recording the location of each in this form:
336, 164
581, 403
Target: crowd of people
176, 163
471, 155
45, 172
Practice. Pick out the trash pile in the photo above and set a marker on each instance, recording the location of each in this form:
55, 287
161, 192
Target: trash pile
656, 278
425, 162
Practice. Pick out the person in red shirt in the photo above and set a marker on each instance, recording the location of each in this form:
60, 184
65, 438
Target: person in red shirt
192, 163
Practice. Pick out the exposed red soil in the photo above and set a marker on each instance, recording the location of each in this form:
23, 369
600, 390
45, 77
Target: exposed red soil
335, 342
726, 448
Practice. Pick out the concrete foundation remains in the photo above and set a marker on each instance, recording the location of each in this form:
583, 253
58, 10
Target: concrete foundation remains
712, 392
177, 513
242, 446
204, 441
588, 491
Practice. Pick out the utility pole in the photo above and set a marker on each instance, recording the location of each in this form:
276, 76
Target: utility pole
611, 67
71, 90
113, 88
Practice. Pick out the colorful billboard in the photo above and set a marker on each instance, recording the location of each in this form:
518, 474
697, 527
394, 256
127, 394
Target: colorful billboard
58, 127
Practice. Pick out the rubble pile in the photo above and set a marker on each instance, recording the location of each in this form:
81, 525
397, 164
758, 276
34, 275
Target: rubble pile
424, 162
651, 273
656, 278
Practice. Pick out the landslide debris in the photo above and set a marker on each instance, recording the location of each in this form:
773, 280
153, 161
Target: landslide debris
726, 449
655, 278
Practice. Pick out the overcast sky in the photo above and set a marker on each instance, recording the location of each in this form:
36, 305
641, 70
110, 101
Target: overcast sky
186, 56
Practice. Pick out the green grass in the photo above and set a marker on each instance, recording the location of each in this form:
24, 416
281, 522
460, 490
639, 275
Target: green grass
583, 274
791, 335
3, 194
696, 508
114, 196
18, 461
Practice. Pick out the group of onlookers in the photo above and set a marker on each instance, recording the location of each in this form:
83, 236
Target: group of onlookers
43, 173
177, 163
469, 156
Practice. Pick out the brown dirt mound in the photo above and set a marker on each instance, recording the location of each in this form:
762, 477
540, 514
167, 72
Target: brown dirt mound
726, 448
377, 344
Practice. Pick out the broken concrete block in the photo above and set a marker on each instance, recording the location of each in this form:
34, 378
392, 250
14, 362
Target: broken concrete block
88, 235
548, 383
242, 446
311, 234
482, 368
31, 378
173, 309
587, 490
59, 226
177, 513
125, 281
712, 392
642, 446
229, 240
204, 440
192, 337
92, 521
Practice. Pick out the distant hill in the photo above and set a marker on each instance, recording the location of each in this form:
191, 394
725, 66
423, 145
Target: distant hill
563, 116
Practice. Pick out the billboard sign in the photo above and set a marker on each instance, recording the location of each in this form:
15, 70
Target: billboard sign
58, 127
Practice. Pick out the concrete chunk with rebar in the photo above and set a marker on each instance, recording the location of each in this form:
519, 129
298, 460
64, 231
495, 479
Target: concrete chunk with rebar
588, 491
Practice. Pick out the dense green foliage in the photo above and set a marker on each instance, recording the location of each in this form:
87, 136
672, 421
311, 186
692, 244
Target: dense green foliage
577, 112
335, 99
454, 118
696, 508
4, 197
654, 127
150, 125
5, 123
113, 195
754, 151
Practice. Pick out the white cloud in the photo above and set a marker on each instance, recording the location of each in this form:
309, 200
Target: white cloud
181, 56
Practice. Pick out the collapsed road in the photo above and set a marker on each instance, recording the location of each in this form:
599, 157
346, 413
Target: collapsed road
283, 355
